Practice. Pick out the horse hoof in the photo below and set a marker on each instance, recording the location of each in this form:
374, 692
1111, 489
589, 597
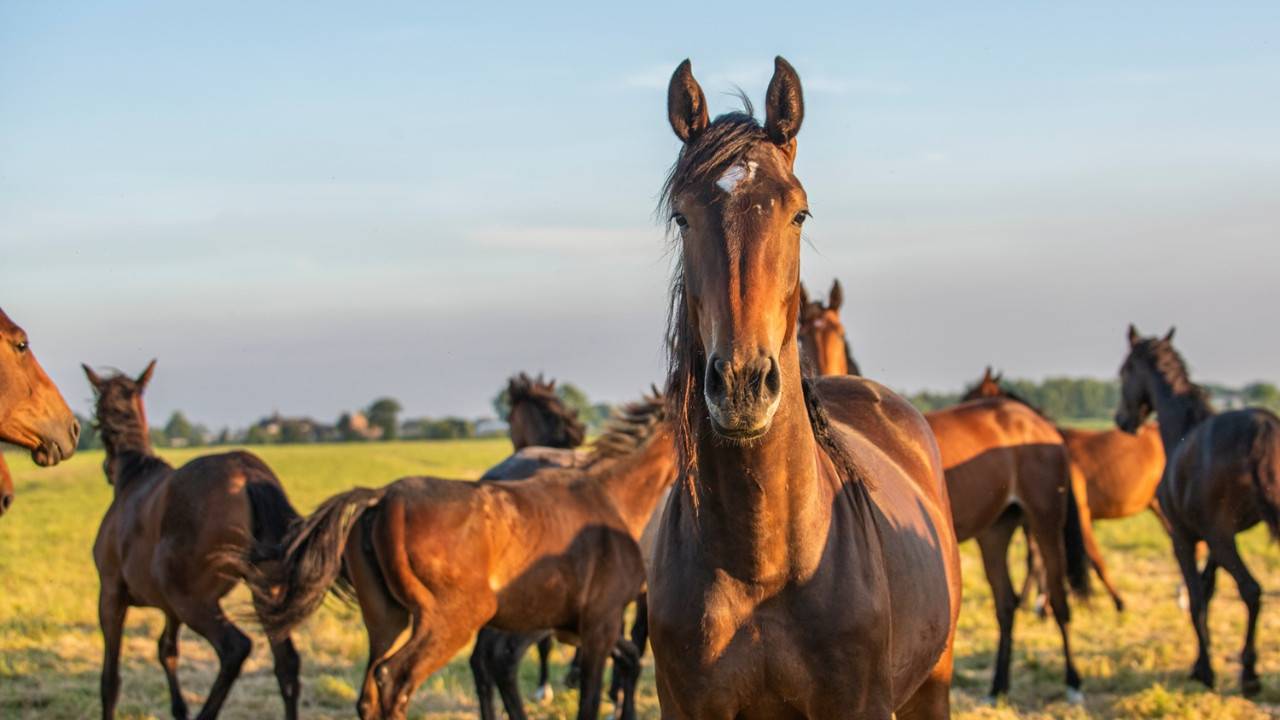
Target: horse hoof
1075, 697
1250, 686
989, 700
1202, 676
543, 694
1119, 605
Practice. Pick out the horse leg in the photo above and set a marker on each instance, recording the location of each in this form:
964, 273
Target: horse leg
1224, 550
167, 649
573, 676
598, 636
1053, 554
111, 612
286, 664
994, 544
1091, 545
544, 693
505, 660
1184, 550
385, 620
434, 638
1031, 583
231, 645
480, 661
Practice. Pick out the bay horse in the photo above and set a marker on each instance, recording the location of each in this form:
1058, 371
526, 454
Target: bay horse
1114, 476
537, 418
496, 656
806, 565
164, 540
33, 414
824, 345
1006, 466
1222, 477
431, 561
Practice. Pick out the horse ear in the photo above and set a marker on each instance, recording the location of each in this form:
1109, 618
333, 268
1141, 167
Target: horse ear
804, 297
836, 297
686, 105
1134, 337
999, 376
784, 103
1169, 335
94, 380
986, 374
145, 377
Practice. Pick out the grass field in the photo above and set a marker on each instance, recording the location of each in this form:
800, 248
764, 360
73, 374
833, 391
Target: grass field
50, 649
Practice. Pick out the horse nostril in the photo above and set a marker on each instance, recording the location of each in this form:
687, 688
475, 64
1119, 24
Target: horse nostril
716, 382
5, 502
75, 431
773, 379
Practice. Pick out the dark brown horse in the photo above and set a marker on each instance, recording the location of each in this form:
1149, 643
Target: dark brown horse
824, 345
436, 560
1006, 466
1114, 475
165, 542
806, 567
33, 414
1222, 477
537, 418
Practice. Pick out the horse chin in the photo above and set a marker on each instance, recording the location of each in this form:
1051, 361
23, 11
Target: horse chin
46, 454
738, 428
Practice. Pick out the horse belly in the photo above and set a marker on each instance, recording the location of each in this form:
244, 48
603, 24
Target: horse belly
980, 490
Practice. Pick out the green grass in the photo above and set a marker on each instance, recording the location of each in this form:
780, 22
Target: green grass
50, 649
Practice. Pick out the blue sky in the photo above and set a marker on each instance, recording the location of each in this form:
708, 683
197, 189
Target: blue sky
303, 206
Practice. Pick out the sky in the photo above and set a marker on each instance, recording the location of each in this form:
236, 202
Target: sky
303, 206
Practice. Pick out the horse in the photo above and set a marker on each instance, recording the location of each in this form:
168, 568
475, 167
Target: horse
164, 540
1005, 465
537, 418
33, 414
496, 656
805, 565
1114, 475
436, 560
824, 345
1222, 478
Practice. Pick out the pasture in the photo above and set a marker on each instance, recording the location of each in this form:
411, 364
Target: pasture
1134, 665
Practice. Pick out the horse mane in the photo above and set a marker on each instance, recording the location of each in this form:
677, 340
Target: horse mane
630, 427
541, 395
851, 365
971, 393
1169, 365
116, 421
723, 143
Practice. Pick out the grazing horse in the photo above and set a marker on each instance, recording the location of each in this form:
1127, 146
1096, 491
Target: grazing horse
824, 346
164, 543
806, 565
436, 560
1114, 475
538, 418
1222, 477
1006, 465
33, 414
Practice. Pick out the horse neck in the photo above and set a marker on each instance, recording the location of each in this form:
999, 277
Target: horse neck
635, 483
755, 499
1178, 411
128, 457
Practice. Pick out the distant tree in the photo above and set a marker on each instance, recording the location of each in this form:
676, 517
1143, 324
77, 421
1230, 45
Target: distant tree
1262, 394
382, 414
89, 439
158, 438
181, 432
258, 435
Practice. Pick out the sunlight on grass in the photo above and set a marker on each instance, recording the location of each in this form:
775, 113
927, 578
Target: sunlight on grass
1134, 664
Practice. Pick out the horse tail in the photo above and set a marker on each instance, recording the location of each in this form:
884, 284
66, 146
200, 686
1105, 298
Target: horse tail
1266, 472
272, 514
311, 562
1073, 538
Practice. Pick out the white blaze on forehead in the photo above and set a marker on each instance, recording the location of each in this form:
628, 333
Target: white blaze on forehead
736, 175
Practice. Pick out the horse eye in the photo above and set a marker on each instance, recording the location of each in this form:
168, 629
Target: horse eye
800, 217
680, 220
22, 346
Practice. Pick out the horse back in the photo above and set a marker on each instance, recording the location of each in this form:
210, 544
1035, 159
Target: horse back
1225, 473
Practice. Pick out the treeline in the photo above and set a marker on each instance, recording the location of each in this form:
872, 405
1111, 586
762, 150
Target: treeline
1092, 399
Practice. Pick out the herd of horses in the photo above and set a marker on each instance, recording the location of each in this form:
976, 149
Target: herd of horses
786, 528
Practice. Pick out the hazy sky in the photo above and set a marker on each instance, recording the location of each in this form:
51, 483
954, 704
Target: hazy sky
303, 206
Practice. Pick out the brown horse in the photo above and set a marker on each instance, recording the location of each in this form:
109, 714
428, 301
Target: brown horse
1223, 477
824, 345
164, 541
1006, 465
438, 559
33, 414
538, 418
806, 567
1114, 475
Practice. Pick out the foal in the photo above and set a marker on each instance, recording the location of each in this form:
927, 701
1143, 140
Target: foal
439, 559
166, 540
1223, 477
